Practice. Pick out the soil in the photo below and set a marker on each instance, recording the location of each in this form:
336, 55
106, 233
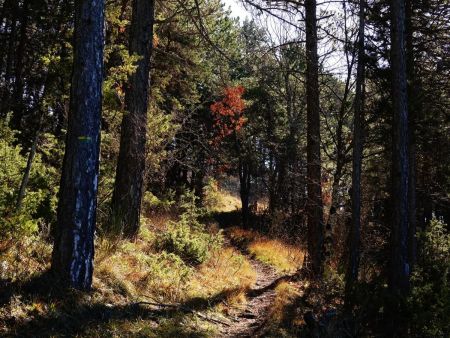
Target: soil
252, 320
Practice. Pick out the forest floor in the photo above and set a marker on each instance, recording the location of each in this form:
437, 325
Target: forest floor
247, 288
253, 318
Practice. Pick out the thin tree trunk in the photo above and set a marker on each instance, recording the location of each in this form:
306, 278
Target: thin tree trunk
73, 252
130, 172
315, 205
245, 186
26, 175
399, 269
354, 236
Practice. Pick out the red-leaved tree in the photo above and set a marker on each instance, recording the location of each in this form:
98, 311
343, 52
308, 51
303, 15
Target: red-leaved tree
228, 113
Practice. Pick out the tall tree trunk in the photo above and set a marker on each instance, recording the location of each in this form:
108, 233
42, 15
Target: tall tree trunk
73, 251
17, 95
354, 236
5, 90
314, 206
399, 269
129, 185
413, 108
4, 28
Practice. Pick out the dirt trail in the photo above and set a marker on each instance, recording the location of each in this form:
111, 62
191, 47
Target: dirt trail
252, 319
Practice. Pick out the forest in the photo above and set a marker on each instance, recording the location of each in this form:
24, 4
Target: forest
225, 168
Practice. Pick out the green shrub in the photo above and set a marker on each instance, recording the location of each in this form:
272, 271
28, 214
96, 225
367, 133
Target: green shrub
188, 237
168, 275
39, 203
212, 194
153, 203
430, 297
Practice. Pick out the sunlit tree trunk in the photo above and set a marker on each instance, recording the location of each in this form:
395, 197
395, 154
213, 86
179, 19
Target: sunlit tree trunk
73, 251
130, 172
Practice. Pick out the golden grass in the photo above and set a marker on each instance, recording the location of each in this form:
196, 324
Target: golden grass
283, 257
126, 272
286, 294
134, 269
229, 203
226, 272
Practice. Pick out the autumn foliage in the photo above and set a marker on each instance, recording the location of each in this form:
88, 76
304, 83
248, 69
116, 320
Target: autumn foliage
228, 113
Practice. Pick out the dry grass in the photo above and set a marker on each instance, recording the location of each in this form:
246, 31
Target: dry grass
283, 257
227, 273
229, 203
124, 274
286, 295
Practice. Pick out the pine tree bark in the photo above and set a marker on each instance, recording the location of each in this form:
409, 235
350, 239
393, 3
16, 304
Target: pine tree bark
315, 205
130, 172
413, 108
354, 236
19, 61
5, 90
399, 269
73, 251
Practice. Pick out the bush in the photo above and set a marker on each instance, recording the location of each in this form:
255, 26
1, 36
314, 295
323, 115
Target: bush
39, 203
188, 237
212, 195
153, 203
430, 297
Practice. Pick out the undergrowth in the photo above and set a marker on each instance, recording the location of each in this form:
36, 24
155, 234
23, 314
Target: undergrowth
283, 257
126, 274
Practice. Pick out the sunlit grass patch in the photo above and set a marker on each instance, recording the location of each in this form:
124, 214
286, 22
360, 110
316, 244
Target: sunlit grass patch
284, 318
242, 237
283, 257
227, 274
127, 273
228, 203
180, 325
286, 294
218, 199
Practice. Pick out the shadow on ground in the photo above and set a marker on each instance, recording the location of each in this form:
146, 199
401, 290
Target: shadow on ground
71, 313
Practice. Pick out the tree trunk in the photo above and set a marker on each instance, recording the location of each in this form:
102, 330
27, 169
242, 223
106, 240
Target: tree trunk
399, 269
245, 185
130, 172
413, 107
314, 206
17, 96
26, 174
73, 252
354, 236
5, 90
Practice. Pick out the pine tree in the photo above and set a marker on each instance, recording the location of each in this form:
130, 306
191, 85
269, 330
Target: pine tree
130, 172
73, 251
